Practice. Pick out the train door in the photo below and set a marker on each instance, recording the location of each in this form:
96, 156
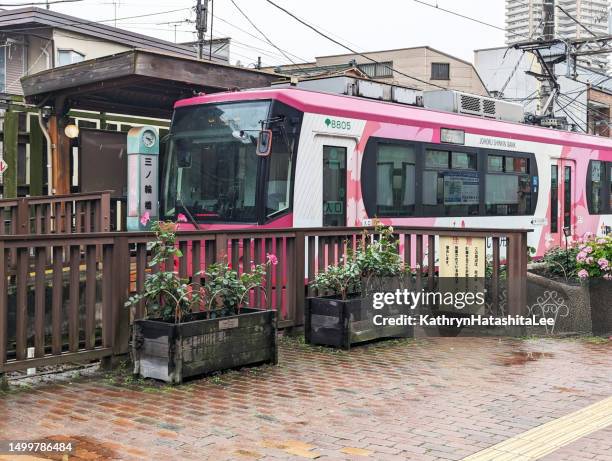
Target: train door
323, 187
562, 200
334, 186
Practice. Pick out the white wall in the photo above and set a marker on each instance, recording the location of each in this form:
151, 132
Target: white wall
495, 69
88, 46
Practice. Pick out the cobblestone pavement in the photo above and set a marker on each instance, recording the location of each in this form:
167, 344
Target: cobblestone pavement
426, 399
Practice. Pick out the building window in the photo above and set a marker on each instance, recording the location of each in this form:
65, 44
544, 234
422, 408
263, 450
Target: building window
395, 180
451, 184
440, 71
377, 69
508, 186
65, 57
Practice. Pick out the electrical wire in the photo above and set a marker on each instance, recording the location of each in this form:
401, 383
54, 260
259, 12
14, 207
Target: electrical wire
315, 29
574, 120
479, 21
254, 36
592, 110
85, 23
246, 16
50, 2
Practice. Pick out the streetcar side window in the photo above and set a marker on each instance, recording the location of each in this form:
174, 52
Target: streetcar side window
508, 186
395, 180
610, 187
407, 178
599, 187
451, 184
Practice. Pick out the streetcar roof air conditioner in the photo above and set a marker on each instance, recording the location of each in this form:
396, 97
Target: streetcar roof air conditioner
472, 104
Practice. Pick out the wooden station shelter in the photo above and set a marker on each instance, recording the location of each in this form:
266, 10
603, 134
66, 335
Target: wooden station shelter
136, 83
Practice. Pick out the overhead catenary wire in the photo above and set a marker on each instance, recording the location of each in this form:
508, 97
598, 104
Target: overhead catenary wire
479, 21
246, 16
318, 31
255, 36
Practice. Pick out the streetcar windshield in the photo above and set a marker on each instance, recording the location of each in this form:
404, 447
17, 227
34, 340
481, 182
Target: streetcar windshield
212, 166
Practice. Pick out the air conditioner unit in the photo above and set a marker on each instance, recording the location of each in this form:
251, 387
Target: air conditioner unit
472, 104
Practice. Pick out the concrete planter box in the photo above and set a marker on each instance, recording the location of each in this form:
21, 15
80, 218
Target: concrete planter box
333, 322
583, 309
600, 291
172, 352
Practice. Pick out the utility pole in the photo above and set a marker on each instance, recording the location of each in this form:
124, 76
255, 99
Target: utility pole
201, 20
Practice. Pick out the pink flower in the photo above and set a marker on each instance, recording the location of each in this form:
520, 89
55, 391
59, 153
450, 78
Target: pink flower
583, 274
589, 260
603, 263
601, 241
272, 259
181, 218
145, 218
607, 276
588, 249
581, 256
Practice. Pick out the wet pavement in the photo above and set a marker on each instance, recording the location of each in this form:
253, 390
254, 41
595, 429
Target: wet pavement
424, 399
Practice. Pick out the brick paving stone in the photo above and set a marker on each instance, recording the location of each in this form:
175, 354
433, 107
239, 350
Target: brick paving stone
427, 399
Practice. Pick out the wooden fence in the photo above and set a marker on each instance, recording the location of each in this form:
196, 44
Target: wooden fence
59, 214
62, 296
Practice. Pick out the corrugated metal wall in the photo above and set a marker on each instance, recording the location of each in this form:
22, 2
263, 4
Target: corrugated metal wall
15, 66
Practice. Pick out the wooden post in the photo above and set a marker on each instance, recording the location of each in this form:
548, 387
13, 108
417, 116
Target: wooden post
23, 217
221, 247
61, 148
10, 153
121, 287
3, 309
299, 270
37, 157
105, 213
517, 273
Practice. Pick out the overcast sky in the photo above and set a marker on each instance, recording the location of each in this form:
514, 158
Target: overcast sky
363, 25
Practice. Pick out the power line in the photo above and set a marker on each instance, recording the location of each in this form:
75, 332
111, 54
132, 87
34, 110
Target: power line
50, 2
586, 107
254, 36
85, 23
261, 33
350, 49
576, 123
470, 18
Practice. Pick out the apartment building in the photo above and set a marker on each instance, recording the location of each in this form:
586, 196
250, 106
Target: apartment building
525, 19
432, 68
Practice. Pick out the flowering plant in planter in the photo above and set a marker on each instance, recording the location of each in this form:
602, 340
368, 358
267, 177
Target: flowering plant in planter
169, 297
375, 266
180, 335
374, 259
594, 257
225, 291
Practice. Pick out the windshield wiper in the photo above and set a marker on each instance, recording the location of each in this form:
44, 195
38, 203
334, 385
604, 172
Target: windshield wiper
188, 213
